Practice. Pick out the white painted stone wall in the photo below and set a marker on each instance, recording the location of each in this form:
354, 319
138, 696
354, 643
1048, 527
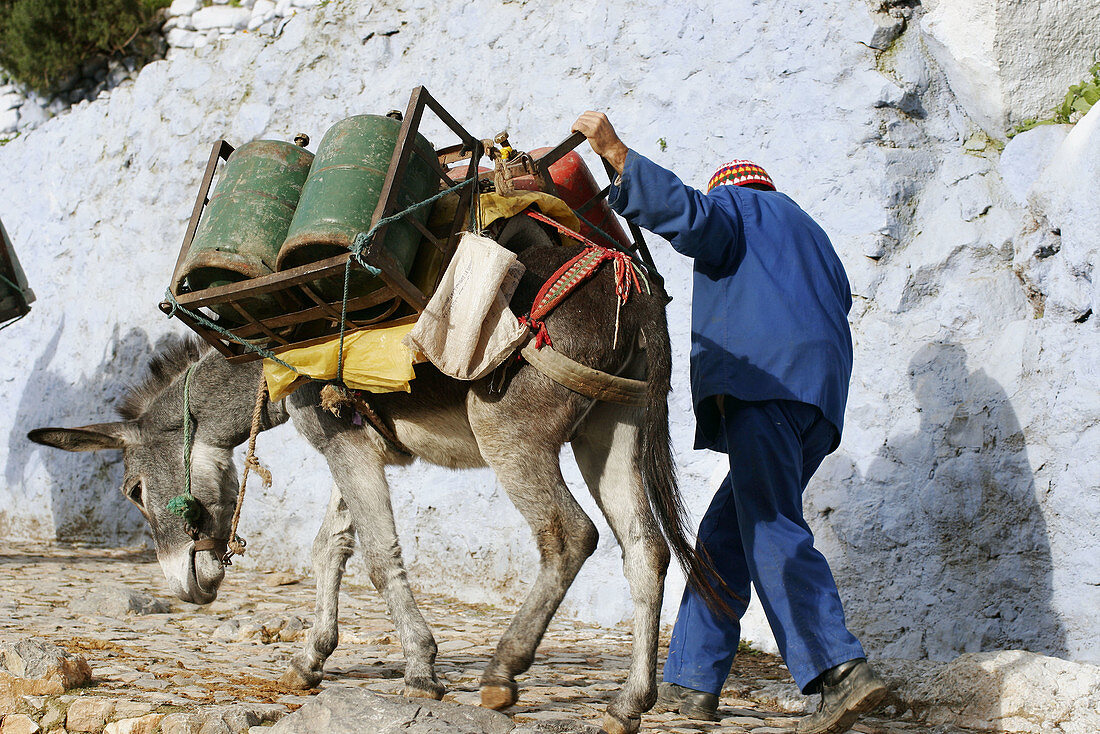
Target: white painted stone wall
960, 511
1008, 60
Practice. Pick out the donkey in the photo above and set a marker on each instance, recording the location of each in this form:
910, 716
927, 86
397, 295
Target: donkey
515, 422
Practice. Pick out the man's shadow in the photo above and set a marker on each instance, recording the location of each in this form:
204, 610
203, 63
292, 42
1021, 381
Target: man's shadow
85, 501
940, 547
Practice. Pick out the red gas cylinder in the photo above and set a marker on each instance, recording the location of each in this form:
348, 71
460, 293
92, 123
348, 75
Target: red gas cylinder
576, 187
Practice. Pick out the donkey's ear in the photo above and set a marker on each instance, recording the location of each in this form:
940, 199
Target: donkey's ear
86, 438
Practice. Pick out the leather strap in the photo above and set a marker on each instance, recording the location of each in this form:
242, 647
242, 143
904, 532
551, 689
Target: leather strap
583, 379
218, 545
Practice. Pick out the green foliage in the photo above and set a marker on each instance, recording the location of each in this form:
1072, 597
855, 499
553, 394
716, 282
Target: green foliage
44, 42
662, 144
1079, 100
744, 648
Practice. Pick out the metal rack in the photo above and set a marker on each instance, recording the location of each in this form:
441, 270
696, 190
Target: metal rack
306, 316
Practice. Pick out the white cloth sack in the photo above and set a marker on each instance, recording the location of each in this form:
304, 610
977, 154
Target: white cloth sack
467, 328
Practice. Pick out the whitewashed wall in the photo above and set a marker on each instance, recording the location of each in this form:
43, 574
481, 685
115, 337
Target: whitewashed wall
959, 513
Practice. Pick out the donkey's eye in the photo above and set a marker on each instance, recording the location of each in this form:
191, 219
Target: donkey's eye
133, 493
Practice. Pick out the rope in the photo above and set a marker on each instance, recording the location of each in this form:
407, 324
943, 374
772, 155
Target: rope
16, 286
236, 543
185, 505
18, 318
362, 240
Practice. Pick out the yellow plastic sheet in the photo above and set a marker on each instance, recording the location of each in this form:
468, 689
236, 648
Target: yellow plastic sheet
375, 360
494, 207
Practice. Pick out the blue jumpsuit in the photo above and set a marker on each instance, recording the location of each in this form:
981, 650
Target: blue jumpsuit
769, 334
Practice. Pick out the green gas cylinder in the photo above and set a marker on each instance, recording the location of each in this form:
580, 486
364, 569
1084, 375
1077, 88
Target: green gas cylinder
246, 221
341, 193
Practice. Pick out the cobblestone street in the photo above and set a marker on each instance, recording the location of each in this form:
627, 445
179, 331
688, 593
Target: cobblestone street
214, 669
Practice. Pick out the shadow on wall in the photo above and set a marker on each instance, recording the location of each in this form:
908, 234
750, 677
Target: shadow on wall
943, 545
86, 504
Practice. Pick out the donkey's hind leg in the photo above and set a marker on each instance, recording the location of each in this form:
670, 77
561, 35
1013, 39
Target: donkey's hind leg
332, 547
605, 454
565, 536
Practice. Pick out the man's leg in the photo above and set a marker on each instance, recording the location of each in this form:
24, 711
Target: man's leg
704, 641
769, 469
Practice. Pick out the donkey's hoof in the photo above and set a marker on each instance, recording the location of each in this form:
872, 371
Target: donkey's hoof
499, 698
613, 725
301, 680
424, 688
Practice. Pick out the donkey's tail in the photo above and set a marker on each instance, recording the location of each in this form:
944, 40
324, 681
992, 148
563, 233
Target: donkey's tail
654, 450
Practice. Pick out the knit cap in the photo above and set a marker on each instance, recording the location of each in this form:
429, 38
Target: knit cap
740, 173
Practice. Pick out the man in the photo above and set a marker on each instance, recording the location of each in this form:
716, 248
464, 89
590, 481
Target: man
771, 357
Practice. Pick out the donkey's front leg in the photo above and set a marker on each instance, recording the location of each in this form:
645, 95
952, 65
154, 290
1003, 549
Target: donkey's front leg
605, 454
359, 471
332, 547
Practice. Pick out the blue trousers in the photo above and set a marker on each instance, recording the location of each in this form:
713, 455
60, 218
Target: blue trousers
754, 532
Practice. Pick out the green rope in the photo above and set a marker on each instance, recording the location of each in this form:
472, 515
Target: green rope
16, 286
357, 248
185, 505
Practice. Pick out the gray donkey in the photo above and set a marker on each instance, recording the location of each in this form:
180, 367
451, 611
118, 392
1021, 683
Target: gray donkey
515, 422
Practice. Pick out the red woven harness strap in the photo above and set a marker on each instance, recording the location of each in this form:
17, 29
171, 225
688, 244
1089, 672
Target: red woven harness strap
573, 273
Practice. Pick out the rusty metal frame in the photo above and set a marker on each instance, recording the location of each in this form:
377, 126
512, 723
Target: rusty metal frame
301, 303
639, 249
22, 306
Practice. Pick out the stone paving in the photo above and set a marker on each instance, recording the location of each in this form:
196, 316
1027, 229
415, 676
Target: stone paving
213, 669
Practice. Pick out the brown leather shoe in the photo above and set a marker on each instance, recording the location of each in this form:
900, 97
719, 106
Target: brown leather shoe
687, 701
848, 690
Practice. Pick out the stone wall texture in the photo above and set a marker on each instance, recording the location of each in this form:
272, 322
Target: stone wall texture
960, 513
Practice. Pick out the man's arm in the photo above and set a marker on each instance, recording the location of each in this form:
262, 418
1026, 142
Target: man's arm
654, 198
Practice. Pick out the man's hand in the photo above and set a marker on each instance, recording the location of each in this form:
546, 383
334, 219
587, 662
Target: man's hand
601, 136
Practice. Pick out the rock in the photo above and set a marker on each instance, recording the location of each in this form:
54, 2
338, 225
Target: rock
1026, 155
183, 7
19, 724
181, 723
36, 668
141, 725
1005, 61
884, 29
293, 630
9, 120
353, 710
132, 709
88, 714
1072, 178
240, 719
54, 716
215, 726
31, 115
181, 38
227, 630
557, 726
116, 600
281, 578
1011, 691
222, 16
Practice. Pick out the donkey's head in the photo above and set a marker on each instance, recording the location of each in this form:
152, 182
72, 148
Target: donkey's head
151, 437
